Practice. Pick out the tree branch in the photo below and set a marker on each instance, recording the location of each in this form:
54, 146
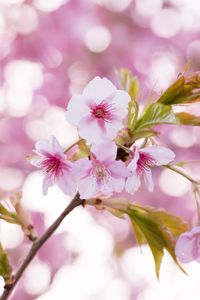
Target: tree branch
37, 244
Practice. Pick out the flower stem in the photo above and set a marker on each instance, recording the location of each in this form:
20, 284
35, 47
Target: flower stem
74, 144
37, 244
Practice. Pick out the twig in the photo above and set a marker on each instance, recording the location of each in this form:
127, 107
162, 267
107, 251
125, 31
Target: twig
37, 244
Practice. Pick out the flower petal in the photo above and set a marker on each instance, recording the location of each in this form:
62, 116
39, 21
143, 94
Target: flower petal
184, 249
43, 147
99, 89
92, 131
107, 187
112, 128
88, 188
120, 102
161, 155
148, 180
66, 184
118, 184
56, 148
133, 183
47, 182
77, 109
105, 152
81, 167
35, 160
119, 170
132, 166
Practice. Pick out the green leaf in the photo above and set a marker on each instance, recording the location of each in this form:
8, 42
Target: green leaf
138, 232
130, 84
184, 91
142, 133
185, 118
5, 268
169, 96
158, 228
174, 224
154, 114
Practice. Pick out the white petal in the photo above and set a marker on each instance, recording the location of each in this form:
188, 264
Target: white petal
88, 188
56, 148
133, 183
66, 184
90, 130
132, 166
36, 160
119, 170
81, 167
43, 146
77, 109
118, 184
148, 180
99, 89
107, 187
120, 102
105, 152
112, 128
161, 155
184, 249
47, 182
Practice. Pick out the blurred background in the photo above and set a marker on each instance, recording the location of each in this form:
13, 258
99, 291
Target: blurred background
49, 49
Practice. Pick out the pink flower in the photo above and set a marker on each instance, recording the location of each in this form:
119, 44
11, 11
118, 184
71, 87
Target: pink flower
99, 112
188, 246
101, 174
55, 167
141, 164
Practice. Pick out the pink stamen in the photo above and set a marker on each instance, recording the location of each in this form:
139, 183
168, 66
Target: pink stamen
52, 165
145, 162
102, 111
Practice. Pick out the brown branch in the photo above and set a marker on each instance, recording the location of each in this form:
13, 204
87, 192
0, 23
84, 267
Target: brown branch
37, 244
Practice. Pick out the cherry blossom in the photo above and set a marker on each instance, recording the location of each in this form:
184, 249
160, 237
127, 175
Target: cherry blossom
54, 165
99, 112
101, 174
188, 246
141, 163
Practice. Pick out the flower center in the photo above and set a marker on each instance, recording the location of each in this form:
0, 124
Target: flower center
102, 111
100, 172
51, 165
145, 162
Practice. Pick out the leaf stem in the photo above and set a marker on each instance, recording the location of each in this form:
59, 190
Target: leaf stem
177, 170
37, 244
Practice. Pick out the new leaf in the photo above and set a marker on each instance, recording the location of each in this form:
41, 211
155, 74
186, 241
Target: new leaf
158, 228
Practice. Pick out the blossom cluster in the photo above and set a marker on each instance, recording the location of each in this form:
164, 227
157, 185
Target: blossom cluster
99, 113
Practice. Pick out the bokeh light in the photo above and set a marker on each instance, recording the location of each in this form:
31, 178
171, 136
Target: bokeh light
97, 39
